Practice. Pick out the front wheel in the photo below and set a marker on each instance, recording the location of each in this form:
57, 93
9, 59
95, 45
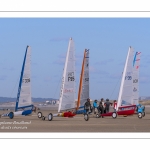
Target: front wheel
11, 115
50, 117
86, 117
139, 115
114, 115
39, 115
97, 115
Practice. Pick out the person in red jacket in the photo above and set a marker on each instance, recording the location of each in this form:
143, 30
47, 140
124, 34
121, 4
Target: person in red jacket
115, 105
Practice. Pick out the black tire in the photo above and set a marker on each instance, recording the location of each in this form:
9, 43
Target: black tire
11, 115
140, 115
86, 117
50, 117
143, 114
97, 115
39, 114
114, 115
43, 118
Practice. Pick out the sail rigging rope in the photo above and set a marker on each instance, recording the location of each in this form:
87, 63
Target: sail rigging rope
115, 86
14, 86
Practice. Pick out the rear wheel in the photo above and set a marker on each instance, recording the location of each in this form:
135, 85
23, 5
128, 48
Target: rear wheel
86, 117
11, 115
114, 115
139, 115
39, 115
50, 117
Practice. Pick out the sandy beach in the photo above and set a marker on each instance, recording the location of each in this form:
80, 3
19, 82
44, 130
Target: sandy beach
76, 124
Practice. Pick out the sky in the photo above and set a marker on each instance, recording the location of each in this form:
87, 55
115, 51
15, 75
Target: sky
107, 38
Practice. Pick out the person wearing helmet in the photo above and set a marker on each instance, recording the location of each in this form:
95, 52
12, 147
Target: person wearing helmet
87, 106
107, 105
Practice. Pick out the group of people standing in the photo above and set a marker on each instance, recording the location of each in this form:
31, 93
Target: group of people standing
102, 107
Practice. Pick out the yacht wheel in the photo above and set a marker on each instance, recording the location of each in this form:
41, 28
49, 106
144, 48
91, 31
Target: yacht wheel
97, 116
139, 115
39, 115
86, 117
50, 117
114, 115
11, 115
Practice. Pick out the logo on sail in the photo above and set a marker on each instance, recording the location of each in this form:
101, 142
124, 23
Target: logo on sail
69, 90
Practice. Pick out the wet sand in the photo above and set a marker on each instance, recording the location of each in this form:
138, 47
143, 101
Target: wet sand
75, 124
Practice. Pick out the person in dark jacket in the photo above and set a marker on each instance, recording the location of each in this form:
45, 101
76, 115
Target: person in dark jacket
87, 106
107, 105
101, 108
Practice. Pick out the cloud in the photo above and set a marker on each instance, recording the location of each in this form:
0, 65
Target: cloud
59, 39
3, 77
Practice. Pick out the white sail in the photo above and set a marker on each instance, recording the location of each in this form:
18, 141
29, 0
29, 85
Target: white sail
136, 65
125, 94
24, 90
85, 80
67, 95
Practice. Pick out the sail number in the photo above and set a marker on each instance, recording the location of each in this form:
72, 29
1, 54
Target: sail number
128, 77
86, 79
26, 80
135, 80
71, 76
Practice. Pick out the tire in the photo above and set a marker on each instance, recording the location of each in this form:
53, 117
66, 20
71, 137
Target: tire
140, 115
39, 115
50, 117
114, 115
11, 115
97, 116
86, 117
43, 118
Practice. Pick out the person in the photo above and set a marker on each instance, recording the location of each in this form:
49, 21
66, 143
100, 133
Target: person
101, 109
107, 105
115, 105
95, 106
103, 103
87, 106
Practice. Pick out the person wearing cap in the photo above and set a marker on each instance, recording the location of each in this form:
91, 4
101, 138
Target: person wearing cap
87, 106
107, 105
95, 106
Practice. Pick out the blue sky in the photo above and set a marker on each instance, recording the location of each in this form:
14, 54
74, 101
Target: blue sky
107, 38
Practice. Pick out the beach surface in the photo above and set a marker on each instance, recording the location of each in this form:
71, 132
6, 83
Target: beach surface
76, 124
